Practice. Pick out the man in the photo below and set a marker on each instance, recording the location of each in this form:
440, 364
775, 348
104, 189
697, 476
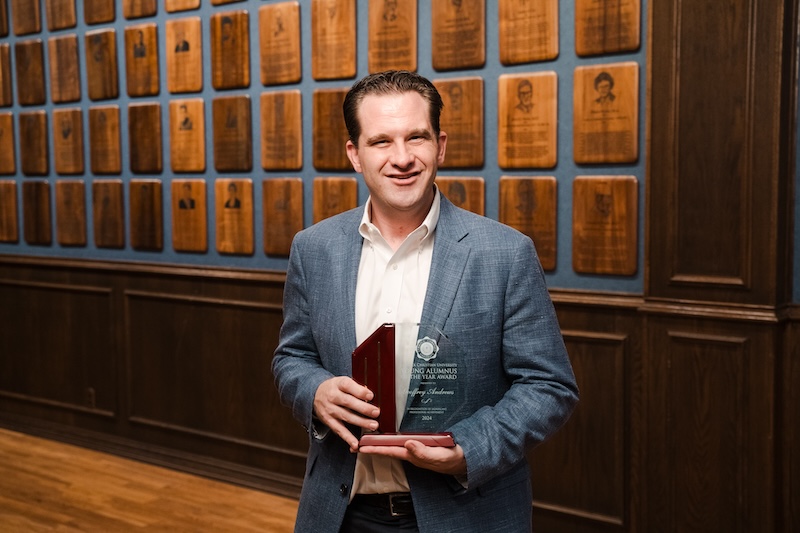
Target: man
411, 256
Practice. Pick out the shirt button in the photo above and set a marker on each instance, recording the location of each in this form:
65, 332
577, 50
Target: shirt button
394, 267
388, 310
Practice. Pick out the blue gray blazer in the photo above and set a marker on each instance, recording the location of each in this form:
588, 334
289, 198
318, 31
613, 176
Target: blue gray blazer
486, 291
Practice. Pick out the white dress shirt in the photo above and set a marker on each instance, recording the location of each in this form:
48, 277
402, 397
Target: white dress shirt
391, 288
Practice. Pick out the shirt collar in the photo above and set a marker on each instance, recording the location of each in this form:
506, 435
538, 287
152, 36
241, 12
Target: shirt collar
426, 229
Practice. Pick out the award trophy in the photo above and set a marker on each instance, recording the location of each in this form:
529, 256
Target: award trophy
433, 400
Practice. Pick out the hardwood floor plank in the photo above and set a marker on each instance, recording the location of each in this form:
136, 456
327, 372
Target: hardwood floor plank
48, 486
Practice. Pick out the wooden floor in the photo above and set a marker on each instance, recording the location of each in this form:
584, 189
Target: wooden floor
49, 486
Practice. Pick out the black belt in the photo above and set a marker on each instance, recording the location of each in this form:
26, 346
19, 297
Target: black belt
397, 503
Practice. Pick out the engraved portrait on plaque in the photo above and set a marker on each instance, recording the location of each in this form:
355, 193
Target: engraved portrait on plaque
187, 135
605, 224
607, 26
458, 37
282, 130
527, 120
279, 41
68, 140
462, 120
528, 31
184, 53
230, 50
528, 204
234, 215
189, 224
333, 39
392, 35
606, 113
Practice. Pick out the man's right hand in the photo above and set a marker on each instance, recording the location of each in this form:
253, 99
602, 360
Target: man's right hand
341, 400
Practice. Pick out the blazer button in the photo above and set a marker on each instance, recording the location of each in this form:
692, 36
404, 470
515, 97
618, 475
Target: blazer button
343, 489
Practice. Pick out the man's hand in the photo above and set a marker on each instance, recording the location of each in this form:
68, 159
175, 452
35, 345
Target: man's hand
443, 460
339, 401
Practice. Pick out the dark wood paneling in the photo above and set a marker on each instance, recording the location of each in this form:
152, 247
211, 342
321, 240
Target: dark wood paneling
710, 426
585, 477
167, 364
789, 463
57, 345
715, 108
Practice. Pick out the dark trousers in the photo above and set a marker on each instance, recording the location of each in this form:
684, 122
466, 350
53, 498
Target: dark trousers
363, 517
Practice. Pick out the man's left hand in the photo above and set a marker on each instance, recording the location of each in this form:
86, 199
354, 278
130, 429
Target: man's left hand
439, 459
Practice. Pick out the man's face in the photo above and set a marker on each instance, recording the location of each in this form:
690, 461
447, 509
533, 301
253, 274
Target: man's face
398, 153
604, 87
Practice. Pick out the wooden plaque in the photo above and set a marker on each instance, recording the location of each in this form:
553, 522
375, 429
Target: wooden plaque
3, 18
180, 5
36, 212
458, 39
144, 136
184, 55
462, 120
230, 50
187, 135
465, 192
528, 31
604, 224
9, 229
101, 64
147, 229
68, 140
141, 59
189, 224
607, 27
606, 113
6, 91
333, 196
282, 130
133, 9
527, 120
333, 39
329, 131
60, 14
33, 143
528, 204
233, 135
71, 212
234, 210
107, 213
98, 11
27, 16
65, 80
221, 2
279, 41
29, 56
8, 163
104, 140
283, 213
392, 35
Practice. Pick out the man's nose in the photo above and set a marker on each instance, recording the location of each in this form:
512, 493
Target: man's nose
402, 156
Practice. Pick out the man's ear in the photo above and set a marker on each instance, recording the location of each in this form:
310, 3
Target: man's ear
442, 147
352, 155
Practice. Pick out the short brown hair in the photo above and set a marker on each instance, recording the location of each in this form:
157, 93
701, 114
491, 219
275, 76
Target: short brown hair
390, 82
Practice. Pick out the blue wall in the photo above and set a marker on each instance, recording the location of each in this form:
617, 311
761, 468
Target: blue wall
563, 276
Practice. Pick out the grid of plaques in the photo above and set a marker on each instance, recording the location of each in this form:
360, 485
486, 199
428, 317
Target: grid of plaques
107, 72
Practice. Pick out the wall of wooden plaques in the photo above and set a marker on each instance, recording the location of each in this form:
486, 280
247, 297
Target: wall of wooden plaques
148, 104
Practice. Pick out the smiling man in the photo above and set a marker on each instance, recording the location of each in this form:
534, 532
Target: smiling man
410, 256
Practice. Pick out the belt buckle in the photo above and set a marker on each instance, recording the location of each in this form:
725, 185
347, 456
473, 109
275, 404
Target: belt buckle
391, 505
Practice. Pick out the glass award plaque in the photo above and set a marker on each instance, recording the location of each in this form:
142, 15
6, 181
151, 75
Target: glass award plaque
431, 400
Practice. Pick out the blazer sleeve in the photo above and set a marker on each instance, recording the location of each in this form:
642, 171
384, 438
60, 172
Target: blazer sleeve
296, 364
540, 386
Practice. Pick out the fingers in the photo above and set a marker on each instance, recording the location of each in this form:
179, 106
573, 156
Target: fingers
443, 460
340, 401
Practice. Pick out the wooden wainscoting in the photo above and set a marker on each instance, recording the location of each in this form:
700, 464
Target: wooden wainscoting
171, 364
